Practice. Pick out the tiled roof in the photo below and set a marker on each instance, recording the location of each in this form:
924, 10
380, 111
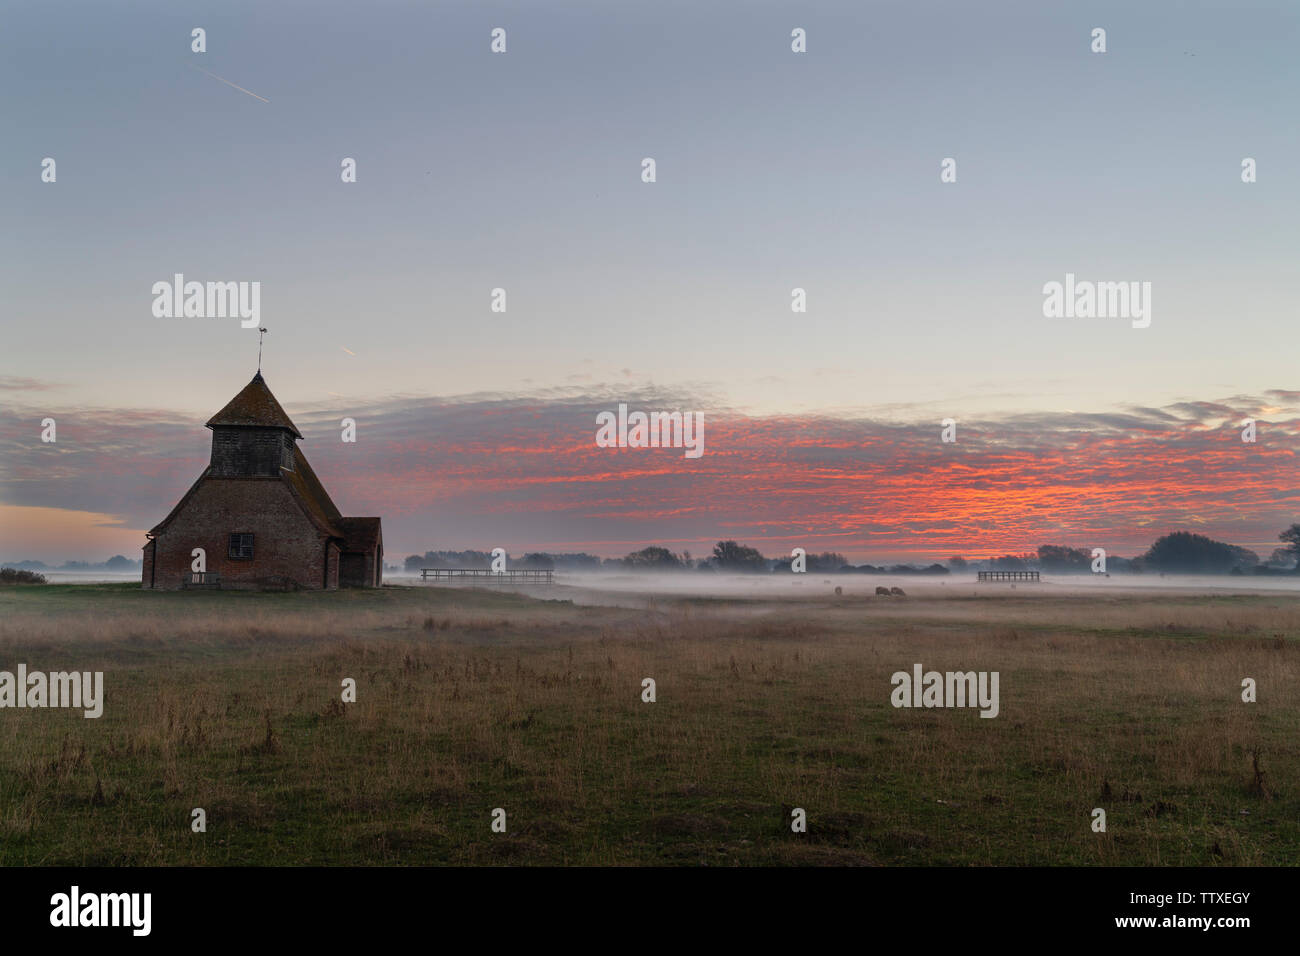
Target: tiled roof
359, 534
315, 499
254, 405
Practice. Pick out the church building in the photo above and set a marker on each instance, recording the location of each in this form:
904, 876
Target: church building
260, 514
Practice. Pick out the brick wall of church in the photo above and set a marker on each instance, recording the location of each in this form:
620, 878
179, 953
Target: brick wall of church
285, 542
146, 574
358, 570
334, 563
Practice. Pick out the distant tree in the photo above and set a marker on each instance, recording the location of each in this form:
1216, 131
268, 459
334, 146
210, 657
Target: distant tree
20, 576
120, 562
1246, 559
413, 563
1053, 557
1282, 558
906, 569
1292, 538
456, 559
687, 561
655, 558
957, 563
730, 556
826, 561
576, 562
1185, 553
536, 561
1010, 562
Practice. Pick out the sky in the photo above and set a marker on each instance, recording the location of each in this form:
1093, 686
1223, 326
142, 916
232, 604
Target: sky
775, 170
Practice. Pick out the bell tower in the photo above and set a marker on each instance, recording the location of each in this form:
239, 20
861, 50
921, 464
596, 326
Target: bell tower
252, 437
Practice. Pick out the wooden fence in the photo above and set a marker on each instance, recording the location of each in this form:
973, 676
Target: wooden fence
450, 575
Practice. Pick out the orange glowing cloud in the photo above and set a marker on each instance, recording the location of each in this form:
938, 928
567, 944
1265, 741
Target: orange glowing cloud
527, 475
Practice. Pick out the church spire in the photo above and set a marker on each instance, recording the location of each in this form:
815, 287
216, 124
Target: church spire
255, 406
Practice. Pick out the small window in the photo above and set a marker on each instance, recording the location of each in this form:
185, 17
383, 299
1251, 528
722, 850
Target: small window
241, 546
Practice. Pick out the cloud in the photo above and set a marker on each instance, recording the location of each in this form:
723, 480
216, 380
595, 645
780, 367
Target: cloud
12, 383
524, 472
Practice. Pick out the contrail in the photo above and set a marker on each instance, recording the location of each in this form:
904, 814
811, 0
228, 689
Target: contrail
227, 82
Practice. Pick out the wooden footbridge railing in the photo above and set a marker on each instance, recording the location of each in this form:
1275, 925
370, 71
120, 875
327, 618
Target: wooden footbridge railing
523, 576
1008, 575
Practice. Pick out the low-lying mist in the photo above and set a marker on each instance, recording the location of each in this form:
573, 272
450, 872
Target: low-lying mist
812, 584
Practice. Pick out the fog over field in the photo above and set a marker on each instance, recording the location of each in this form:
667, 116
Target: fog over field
624, 589
601, 587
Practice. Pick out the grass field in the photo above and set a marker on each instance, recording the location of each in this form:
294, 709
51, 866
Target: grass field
470, 700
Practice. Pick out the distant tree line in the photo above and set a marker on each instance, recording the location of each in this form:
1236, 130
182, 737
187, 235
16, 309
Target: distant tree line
20, 576
731, 556
482, 559
117, 562
1180, 552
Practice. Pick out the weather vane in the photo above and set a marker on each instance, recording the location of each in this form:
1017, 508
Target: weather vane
260, 333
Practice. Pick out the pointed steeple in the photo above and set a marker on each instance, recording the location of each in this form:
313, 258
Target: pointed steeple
254, 406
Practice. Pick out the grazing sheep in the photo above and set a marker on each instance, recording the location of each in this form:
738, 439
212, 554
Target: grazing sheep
884, 591
899, 591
